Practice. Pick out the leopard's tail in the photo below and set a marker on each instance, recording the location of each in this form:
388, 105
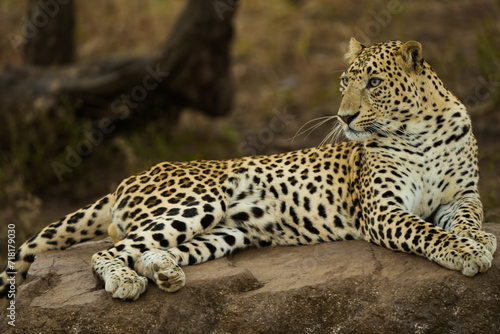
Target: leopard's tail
82, 225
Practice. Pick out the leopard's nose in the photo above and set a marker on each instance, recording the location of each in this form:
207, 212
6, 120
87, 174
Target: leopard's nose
347, 119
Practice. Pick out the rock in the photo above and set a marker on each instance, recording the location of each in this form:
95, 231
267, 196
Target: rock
342, 287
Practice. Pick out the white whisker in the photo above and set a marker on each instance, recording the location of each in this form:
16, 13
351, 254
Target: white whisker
332, 136
321, 121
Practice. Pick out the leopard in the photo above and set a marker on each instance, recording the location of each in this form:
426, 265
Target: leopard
405, 179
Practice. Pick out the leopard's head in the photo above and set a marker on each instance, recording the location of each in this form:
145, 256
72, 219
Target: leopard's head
381, 89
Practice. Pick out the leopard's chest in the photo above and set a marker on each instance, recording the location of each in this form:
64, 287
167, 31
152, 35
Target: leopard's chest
434, 183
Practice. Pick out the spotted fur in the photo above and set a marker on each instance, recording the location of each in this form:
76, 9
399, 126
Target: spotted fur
407, 181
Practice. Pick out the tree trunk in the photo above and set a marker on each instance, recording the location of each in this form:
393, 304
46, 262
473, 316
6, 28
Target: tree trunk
49, 32
190, 70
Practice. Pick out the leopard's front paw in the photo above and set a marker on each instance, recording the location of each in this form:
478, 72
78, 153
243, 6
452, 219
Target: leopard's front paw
125, 283
161, 267
169, 278
487, 239
466, 255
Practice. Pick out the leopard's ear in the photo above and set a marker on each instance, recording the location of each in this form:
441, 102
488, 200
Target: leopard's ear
411, 53
355, 49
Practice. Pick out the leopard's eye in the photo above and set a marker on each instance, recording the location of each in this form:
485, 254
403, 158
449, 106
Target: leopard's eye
344, 81
374, 82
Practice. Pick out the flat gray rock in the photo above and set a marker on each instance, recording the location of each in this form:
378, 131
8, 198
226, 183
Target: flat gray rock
340, 287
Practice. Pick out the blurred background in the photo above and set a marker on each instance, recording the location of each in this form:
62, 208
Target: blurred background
271, 65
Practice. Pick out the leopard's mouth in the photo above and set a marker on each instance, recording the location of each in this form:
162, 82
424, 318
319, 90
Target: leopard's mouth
353, 133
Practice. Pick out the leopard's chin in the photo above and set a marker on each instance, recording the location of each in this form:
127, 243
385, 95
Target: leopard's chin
355, 135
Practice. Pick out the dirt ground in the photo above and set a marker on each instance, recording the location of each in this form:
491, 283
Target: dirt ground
287, 59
